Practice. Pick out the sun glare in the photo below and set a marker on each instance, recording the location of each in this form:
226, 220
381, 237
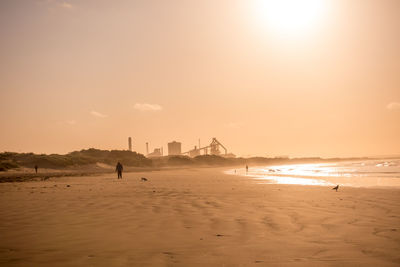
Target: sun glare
289, 17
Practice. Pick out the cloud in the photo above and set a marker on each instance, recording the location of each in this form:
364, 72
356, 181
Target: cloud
52, 4
393, 105
98, 114
71, 122
65, 5
147, 107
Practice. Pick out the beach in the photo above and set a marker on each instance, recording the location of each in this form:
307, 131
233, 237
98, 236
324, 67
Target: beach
195, 217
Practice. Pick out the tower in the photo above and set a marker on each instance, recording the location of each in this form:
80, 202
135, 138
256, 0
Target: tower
174, 148
130, 143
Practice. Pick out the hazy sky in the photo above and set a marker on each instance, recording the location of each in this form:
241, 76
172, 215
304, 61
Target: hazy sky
317, 79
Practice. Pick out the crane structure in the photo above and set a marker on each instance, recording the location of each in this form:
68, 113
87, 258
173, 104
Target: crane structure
213, 148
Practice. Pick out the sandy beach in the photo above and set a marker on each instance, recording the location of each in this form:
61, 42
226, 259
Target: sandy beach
195, 217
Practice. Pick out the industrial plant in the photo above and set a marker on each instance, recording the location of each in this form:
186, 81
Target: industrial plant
212, 149
175, 149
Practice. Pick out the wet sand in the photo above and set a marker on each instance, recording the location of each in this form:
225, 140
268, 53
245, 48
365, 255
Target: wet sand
195, 217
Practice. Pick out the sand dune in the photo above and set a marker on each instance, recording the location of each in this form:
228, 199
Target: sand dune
195, 217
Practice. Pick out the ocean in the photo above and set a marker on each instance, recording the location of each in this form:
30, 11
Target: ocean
365, 173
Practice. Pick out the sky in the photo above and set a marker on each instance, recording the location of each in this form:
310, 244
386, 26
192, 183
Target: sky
266, 78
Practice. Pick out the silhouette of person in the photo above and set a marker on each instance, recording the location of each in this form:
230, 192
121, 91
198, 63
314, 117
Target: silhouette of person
36, 168
247, 168
119, 168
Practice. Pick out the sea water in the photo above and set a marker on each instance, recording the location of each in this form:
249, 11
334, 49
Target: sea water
362, 173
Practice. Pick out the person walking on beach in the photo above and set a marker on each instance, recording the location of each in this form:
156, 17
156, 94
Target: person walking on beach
36, 168
119, 169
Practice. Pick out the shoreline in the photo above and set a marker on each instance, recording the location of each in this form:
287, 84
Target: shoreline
27, 175
324, 174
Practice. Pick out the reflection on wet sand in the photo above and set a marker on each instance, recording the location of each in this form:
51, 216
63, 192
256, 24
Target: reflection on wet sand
369, 173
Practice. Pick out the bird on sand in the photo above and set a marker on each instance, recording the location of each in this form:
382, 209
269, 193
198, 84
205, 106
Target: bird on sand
336, 188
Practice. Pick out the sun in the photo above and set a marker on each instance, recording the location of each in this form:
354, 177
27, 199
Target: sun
289, 17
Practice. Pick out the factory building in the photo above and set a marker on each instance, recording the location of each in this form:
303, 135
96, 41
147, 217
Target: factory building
158, 152
194, 152
174, 148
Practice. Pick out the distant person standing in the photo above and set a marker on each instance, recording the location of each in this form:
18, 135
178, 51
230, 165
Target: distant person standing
36, 168
247, 168
119, 168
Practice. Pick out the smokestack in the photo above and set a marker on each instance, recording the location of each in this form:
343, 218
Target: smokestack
199, 143
130, 143
147, 148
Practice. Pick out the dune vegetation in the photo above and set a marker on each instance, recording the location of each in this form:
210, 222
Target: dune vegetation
10, 160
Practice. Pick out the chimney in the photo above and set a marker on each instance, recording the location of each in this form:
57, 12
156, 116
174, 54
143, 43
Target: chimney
130, 143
